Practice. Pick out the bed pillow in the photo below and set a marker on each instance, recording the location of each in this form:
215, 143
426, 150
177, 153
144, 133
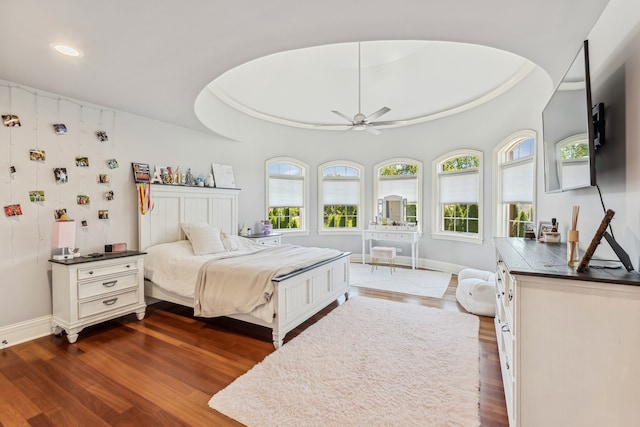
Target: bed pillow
205, 239
186, 227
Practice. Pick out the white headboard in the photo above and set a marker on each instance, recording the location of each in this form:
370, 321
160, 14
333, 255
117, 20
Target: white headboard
176, 204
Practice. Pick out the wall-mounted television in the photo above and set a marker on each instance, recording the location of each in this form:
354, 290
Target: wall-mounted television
572, 129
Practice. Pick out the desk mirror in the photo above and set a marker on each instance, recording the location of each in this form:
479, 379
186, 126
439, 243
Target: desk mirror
393, 209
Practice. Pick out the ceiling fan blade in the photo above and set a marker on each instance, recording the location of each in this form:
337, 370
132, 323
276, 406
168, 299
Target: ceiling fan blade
344, 116
389, 123
380, 112
372, 130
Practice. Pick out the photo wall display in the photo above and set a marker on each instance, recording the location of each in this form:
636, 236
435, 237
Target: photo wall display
60, 173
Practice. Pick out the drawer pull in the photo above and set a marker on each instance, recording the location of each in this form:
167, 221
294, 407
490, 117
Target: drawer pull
510, 294
109, 284
110, 301
505, 328
128, 266
91, 272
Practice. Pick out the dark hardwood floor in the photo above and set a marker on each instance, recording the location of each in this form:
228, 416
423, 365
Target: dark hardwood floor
163, 370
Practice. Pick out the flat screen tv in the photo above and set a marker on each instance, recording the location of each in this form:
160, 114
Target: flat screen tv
572, 129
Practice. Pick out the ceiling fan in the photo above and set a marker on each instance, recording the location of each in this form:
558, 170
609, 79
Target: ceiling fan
360, 121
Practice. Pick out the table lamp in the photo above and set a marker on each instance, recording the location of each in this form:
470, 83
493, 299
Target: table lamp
64, 236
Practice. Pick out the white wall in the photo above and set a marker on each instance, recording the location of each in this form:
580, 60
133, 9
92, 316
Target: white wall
614, 47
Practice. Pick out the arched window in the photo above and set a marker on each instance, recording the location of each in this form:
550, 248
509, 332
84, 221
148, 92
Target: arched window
515, 184
400, 177
457, 190
287, 194
340, 197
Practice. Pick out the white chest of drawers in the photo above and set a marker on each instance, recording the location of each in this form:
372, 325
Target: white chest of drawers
569, 343
87, 291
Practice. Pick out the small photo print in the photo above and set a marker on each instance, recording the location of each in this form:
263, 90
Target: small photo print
82, 162
37, 155
102, 135
12, 170
36, 196
112, 163
60, 214
141, 172
10, 120
84, 223
60, 175
82, 199
12, 210
60, 129
103, 178
109, 195
103, 214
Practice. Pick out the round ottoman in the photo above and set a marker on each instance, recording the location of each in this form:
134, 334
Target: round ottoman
476, 291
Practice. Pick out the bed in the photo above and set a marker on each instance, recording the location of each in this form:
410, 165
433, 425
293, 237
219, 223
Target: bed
300, 292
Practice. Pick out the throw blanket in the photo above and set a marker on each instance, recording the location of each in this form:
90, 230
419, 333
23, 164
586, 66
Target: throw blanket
234, 285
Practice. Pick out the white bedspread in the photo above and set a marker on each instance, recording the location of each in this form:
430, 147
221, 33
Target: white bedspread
232, 284
174, 267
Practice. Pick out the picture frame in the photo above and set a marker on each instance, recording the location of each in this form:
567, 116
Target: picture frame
223, 176
60, 128
141, 172
60, 175
11, 120
544, 226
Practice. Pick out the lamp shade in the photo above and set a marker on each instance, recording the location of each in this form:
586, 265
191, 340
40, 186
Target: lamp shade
64, 234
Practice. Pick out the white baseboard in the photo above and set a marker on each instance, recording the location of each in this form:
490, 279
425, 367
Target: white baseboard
25, 331
429, 264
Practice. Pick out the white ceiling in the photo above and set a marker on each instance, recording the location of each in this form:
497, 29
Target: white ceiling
154, 57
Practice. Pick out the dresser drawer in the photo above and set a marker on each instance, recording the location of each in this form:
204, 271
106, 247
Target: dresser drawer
111, 302
104, 269
92, 288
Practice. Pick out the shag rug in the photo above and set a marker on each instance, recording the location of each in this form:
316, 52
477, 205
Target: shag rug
424, 283
369, 362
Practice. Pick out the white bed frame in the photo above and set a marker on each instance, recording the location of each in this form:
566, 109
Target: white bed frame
297, 296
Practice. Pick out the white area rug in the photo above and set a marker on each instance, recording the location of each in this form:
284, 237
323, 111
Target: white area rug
424, 283
369, 362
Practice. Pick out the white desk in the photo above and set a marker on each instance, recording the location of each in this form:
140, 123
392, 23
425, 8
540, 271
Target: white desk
407, 236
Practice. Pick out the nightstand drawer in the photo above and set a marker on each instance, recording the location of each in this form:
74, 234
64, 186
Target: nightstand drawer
269, 241
106, 284
104, 270
112, 302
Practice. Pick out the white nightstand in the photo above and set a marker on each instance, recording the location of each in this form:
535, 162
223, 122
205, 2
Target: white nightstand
88, 290
272, 239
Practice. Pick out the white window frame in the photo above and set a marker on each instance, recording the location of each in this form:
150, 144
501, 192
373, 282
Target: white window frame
500, 209
419, 180
436, 229
304, 210
322, 230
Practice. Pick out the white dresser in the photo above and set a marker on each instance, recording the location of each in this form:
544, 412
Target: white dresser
87, 291
569, 342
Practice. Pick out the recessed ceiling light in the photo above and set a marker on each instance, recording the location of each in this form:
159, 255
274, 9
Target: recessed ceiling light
66, 50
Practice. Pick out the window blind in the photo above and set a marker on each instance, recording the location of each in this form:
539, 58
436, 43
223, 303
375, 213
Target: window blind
459, 187
340, 192
517, 182
286, 192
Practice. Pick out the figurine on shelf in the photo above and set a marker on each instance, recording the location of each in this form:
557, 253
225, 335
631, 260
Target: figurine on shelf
209, 181
177, 176
189, 179
156, 176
